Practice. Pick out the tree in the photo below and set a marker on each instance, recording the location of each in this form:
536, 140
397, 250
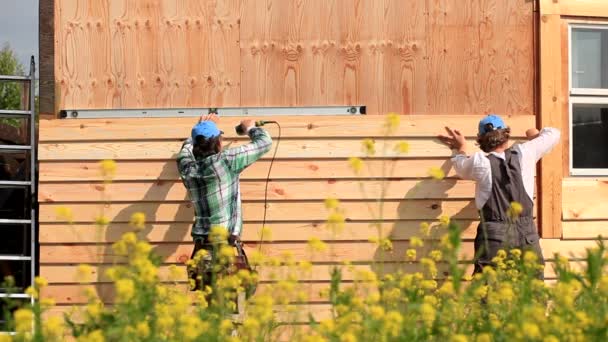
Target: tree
10, 92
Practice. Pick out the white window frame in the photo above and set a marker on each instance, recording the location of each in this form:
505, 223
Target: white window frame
582, 96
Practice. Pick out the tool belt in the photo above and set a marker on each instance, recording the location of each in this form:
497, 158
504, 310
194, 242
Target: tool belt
208, 268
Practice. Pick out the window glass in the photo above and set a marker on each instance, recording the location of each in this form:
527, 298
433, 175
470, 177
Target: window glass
590, 136
589, 58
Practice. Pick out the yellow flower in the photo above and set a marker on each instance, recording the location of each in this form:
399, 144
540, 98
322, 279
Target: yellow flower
436, 255
402, 147
425, 229
84, 273
317, 245
344, 337
436, 173
218, 234
108, 169
102, 221
64, 214
447, 289
377, 312
94, 309
516, 253
32, 292
23, 320
369, 146
356, 164
444, 220
430, 266
142, 329
53, 328
40, 282
335, 222
385, 244
266, 234
484, 337
138, 220
427, 313
410, 254
392, 121
331, 203
531, 330
47, 303
93, 336
125, 289
550, 338
458, 338
416, 242
515, 210
530, 258
481, 292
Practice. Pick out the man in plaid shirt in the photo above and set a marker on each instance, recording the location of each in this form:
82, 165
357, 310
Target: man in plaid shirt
211, 175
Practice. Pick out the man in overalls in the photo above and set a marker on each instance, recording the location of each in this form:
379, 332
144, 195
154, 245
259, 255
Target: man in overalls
504, 179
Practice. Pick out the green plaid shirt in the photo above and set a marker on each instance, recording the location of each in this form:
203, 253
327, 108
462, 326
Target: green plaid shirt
213, 182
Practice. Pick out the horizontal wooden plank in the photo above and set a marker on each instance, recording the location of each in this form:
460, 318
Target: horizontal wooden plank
180, 232
336, 252
287, 149
276, 190
584, 229
581, 199
575, 8
276, 211
60, 275
291, 126
180, 252
142, 170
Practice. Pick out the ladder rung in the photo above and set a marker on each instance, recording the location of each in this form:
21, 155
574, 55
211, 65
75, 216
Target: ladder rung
14, 295
14, 183
14, 257
12, 221
14, 113
15, 78
15, 147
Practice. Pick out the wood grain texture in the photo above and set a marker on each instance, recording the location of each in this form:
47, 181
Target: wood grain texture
578, 8
410, 57
582, 199
152, 170
551, 104
360, 126
141, 54
172, 191
307, 211
57, 233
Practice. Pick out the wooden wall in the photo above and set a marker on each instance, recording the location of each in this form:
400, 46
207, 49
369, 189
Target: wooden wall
410, 57
311, 165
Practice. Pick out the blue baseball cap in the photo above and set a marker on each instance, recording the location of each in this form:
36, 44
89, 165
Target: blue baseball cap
494, 120
207, 129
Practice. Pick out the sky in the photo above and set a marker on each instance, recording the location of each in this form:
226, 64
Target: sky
19, 28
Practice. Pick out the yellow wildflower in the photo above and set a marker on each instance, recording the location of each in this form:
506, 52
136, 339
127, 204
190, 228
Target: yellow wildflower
550, 338
458, 338
93, 336
410, 254
32, 292
47, 303
356, 164
481, 292
218, 234
125, 289
94, 309
530, 258
317, 245
40, 282
344, 337
531, 330
436, 173
427, 313
102, 221
84, 273
142, 329
447, 289
53, 328
425, 229
515, 210
385, 244
108, 169
436, 255
369, 146
332, 203
266, 234
430, 266
64, 214
444, 220
392, 122
402, 147
515, 253
138, 220
393, 323
483, 337
23, 320
416, 242
377, 312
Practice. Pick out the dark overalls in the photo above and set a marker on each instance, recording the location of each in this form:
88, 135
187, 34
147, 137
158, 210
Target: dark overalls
502, 232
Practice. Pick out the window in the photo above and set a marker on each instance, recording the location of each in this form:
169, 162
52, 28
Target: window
589, 100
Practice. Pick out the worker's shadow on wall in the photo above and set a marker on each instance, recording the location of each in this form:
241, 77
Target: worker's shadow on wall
407, 226
154, 198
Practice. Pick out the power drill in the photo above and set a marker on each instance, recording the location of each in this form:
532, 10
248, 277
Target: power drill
241, 131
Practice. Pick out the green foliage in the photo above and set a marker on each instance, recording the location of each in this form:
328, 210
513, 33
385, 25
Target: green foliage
10, 92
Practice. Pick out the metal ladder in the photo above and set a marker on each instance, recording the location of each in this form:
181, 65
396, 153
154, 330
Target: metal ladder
28, 184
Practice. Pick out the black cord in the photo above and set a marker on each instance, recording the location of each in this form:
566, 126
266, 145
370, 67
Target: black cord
276, 148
